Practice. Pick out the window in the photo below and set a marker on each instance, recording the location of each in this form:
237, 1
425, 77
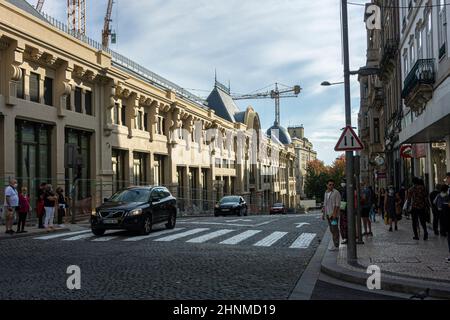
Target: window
118, 166
20, 86
217, 163
116, 113
69, 102
419, 44
442, 29
78, 100
124, 115
160, 125
139, 168
376, 130
139, 120
48, 91
159, 169
412, 55
429, 37
145, 121
88, 102
34, 87
405, 63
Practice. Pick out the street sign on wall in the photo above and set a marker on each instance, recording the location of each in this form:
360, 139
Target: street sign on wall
349, 141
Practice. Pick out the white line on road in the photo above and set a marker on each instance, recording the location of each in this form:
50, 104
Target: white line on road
59, 235
241, 237
104, 239
303, 241
182, 234
210, 236
229, 224
152, 235
271, 239
83, 236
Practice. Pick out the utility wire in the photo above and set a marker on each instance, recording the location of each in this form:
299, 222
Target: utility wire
400, 7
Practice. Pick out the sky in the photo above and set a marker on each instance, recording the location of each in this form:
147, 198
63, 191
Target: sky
252, 44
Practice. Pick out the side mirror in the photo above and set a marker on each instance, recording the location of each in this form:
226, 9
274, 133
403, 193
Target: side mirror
155, 199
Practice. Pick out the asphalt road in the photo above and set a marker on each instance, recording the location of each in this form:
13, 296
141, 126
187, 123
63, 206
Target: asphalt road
254, 257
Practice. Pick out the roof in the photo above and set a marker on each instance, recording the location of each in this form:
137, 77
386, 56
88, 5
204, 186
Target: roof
279, 133
24, 5
223, 105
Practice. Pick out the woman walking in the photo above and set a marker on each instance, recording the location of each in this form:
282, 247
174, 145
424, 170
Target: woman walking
381, 201
62, 205
40, 209
418, 201
24, 208
390, 208
49, 203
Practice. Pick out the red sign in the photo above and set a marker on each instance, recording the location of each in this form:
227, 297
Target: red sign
406, 151
420, 150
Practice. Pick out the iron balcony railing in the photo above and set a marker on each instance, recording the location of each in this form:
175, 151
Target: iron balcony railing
129, 65
422, 73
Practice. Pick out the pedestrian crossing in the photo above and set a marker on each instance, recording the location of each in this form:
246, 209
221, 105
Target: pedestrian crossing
227, 237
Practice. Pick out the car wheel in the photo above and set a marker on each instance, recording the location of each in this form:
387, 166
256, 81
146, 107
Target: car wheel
172, 220
240, 212
98, 232
147, 226
245, 212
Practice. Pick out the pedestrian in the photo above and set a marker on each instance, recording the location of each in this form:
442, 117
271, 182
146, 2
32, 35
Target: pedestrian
390, 207
330, 210
40, 209
10, 205
61, 206
381, 199
403, 195
24, 209
419, 204
434, 209
343, 227
50, 199
440, 203
366, 205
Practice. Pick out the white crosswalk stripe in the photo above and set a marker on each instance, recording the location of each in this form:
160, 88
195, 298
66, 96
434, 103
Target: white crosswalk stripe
241, 237
83, 236
303, 241
152, 235
271, 239
182, 234
210, 236
104, 239
60, 235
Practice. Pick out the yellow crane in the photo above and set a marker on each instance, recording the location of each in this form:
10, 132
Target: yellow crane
39, 5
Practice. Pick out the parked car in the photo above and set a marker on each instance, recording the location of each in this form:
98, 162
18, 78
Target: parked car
135, 209
231, 205
278, 208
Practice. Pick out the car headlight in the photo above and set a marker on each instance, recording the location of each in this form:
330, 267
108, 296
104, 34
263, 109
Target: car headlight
135, 212
93, 213
217, 206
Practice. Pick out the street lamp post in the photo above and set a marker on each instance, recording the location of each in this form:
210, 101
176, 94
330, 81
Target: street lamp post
351, 242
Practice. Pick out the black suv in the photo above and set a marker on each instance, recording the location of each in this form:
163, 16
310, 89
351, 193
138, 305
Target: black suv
231, 205
135, 209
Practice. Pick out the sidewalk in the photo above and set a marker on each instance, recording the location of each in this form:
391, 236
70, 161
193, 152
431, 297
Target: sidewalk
407, 265
33, 230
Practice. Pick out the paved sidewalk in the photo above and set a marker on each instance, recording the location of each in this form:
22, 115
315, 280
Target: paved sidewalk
33, 230
406, 265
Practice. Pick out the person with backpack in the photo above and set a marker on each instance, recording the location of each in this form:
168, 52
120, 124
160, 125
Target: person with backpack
419, 206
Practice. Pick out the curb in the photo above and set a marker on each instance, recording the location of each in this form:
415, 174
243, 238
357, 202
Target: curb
388, 283
32, 234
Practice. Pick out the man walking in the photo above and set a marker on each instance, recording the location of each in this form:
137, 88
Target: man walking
366, 205
11, 203
331, 208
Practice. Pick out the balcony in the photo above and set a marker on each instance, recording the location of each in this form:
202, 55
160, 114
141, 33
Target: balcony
418, 85
388, 61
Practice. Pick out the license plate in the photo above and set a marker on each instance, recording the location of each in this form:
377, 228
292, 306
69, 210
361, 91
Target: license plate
225, 209
110, 221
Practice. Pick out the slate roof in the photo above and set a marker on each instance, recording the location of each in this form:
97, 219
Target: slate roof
223, 105
24, 5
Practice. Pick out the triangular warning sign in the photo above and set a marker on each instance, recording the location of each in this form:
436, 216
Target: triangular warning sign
349, 141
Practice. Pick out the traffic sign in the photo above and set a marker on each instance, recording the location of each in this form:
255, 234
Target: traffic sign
349, 141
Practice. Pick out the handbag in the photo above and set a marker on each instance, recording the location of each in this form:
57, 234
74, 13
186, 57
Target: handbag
343, 205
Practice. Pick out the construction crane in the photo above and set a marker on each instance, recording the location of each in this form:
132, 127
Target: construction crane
39, 5
106, 32
276, 94
76, 17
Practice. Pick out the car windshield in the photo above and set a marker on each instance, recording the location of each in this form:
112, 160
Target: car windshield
278, 205
131, 195
229, 199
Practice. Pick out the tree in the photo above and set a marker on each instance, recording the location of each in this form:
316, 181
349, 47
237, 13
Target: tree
316, 179
317, 175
